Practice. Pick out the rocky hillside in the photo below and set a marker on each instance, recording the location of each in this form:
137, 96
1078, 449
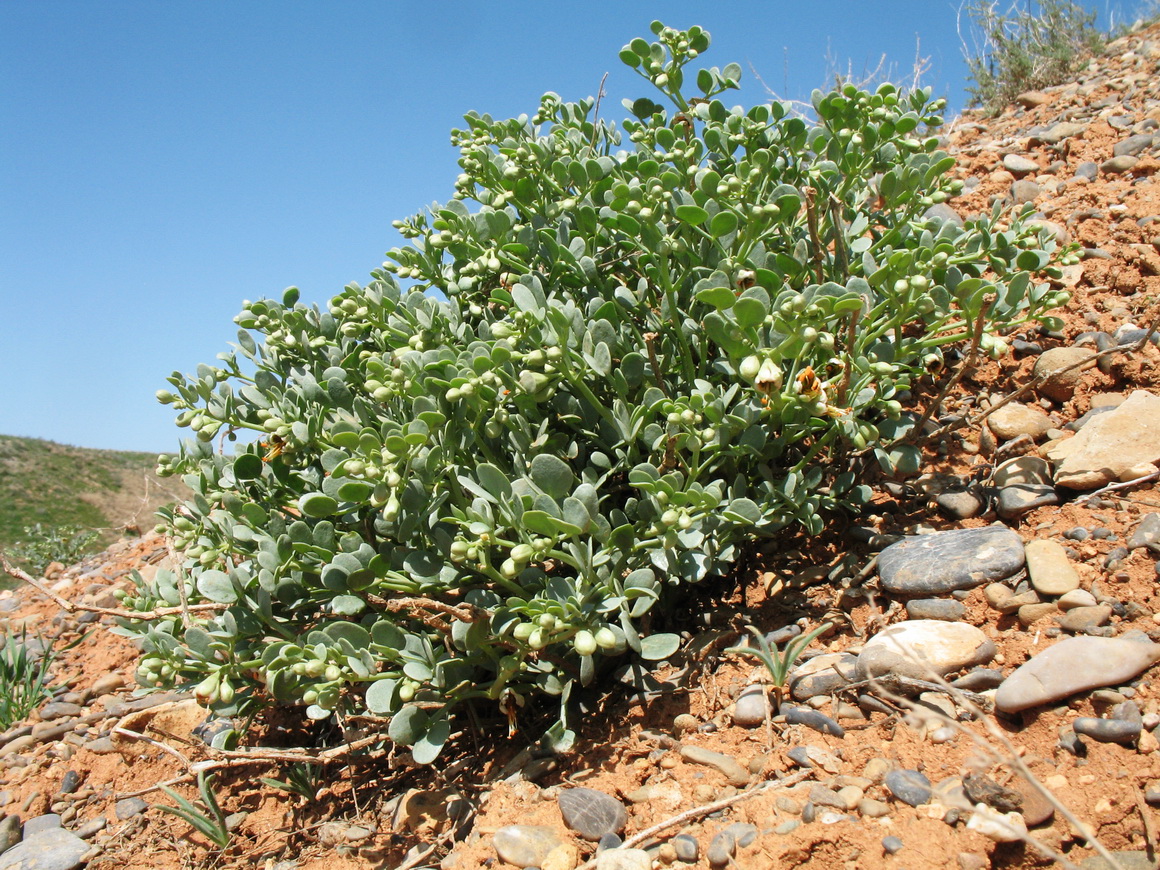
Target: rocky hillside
986, 696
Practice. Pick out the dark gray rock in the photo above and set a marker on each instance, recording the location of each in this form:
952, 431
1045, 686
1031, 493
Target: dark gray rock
129, 807
92, 827
962, 504
1133, 145
812, 719
909, 786
591, 813
1146, 534
688, 849
54, 849
780, 635
608, 841
891, 845
1117, 165
945, 609
942, 562
721, 850
1015, 501
1107, 730
69, 782
9, 832
979, 680
1087, 170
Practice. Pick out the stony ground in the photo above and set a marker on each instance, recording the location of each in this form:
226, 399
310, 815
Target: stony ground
1018, 568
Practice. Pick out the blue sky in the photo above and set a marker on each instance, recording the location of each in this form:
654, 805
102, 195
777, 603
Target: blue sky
162, 162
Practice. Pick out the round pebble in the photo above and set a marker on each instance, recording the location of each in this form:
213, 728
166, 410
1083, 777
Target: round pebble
909, 786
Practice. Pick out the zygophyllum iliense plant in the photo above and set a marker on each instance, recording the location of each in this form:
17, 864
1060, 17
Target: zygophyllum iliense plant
626, 353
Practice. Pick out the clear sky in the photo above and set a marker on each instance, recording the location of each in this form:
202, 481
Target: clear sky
160, 162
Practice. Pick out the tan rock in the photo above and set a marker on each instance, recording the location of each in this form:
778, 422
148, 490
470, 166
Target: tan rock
1056, 366
1015, 419
1051, 571
1116, 445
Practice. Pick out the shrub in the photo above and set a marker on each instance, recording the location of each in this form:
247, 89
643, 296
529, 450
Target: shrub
1025, 50
24, 677
42, 545
624, 363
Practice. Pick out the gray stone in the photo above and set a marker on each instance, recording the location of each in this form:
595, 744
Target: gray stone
944, 213
1051, 571
609, 841
1074, 665
812, 719
1017, 164
1087, 170
824, 796
1056, 133
591, 813
909, 786
127, 808
9, 832
918, 647
60, 710
890, 845
734, 772
1124, 861
749, 710
962, 504
1015, 501
1117, 165
942, 562
1122, 444
1133, 145
787, 827
687, 847
1107, 730
1082, 619
525, 845
92, 827
1146, 534
1076, 598
54, 849
979, 680
1130, 333
1055, 366
822, 675
69, 782
39, 824
945, 609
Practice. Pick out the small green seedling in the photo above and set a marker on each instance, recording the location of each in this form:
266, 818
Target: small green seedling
778, 663
210, 822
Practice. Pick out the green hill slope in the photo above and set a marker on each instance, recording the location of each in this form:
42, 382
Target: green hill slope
57, 485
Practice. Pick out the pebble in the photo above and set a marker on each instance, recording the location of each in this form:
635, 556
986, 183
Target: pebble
1025, 190
69, 782
92, 827
890, 845
813, 756
1051, 571
812, 719
734, 772
1081, 619
607, 841
591, 813
941, 562
962, 504
822, 675
525, 845
915, 648
53, 849
1146, 534
1088, 170
1071, 666
624, 859
1076, 598
873, 809
945, 609
979, 680
1017, 419
787, 827
1124, 861
909, 786
1107, 730
9, 832
1055, 366
60, 710
688, 849
1017, 164
127, 808
1015, 501
749, 711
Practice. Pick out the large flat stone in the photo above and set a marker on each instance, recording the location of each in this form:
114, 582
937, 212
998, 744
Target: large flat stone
1074, 665
942, 562
1121, 444
918, 647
